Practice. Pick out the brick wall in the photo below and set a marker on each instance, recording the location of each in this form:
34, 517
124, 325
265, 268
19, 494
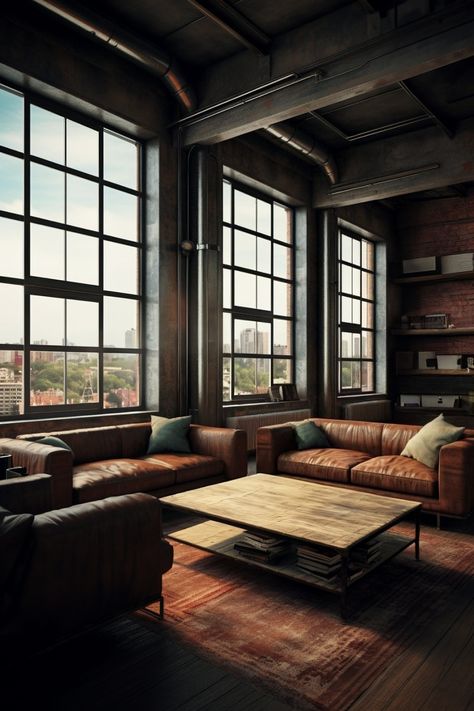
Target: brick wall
439, 227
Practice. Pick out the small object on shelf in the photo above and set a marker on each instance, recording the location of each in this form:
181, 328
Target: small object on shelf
449, 362
421, 265
435, 321
410, 400
263, 547
441, 401
289, 392
274, 393
427, 360
456, 263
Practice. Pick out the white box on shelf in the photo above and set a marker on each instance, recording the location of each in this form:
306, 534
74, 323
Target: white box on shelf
420, 265
453, 263
440, 401
426, 360
449, 362
410, 400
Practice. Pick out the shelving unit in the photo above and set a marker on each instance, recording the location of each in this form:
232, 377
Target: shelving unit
460, 331
436, 371
428, 278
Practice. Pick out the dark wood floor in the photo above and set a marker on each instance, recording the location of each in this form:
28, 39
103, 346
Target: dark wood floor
125, 665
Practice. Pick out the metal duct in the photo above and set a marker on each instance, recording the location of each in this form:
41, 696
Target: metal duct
307, 145
139, 51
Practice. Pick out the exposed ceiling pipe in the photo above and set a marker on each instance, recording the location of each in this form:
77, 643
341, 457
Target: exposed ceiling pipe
139, 51
307, 145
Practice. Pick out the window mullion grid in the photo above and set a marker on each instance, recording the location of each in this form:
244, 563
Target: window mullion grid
26, 256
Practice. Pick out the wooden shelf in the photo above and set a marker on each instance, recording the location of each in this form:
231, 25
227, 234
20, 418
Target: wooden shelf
424, 279
420, 408
462, 331
436, 371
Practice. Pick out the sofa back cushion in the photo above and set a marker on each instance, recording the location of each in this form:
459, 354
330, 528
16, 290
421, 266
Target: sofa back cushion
396, 436
88, 445
135, 439
353, 434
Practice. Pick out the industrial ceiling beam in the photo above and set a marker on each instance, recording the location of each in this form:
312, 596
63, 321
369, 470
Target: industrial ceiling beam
392, 58
234, 23
426, 109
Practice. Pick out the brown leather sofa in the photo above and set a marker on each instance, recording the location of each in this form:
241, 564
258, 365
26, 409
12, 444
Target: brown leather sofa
366, 456
109, 461
66, 570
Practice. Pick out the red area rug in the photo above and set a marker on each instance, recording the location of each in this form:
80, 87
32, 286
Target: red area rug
290, 638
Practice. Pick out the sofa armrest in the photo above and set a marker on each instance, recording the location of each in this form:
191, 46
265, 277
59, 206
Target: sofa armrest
272, 441
228, 445
92, 562
456, 477
43, 458
26, 494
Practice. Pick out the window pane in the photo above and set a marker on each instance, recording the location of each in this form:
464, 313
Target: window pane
47, 135
245, 289
264, 217
120, 160
346, 309
282, 337
356, 282
263, 375
356, 345
121, 271
367, 344
11, 182
11, 317
368, 254
82, 147
346, 279
226, 298
226, 378
355, 374
264, 255
46, 252
263, 337
264, 294
282, 371
367, 285
282, 298
367, 315
226, 333
245, 246
82, 203
82, 378
346, 345
281, 261
282, 223
367, 376
11, 383
11, 120
82, 258
47, 193
120, 214
47, 321
11, 239
120, 317
356, 306
346, 248
46, 378
245, 210
227, 246
82, 324
226, 201
121, 380
355, 251
245, 336
252, 376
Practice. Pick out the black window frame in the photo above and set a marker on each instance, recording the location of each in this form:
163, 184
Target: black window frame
64, 289
264, 316
354, 328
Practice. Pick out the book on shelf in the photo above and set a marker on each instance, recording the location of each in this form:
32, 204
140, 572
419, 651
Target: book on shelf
262, 556
262, 546
318, 553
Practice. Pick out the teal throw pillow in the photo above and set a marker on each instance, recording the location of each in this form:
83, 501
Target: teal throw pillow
309, 435
169, 435
54, 442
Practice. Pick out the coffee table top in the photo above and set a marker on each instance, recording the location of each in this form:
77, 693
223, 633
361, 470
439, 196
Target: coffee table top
311, 512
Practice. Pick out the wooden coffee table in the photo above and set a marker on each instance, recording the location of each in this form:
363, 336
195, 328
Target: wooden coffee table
303, 512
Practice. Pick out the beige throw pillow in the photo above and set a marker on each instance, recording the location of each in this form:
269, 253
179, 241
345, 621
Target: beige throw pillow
425, 445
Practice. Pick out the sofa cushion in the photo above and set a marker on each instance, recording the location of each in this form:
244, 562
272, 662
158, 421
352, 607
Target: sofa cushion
309, 435
188, 467
329, 464
113, 477
135, 438
54, 442
169, 434
88, 445
353, 435
425, 445
396, 473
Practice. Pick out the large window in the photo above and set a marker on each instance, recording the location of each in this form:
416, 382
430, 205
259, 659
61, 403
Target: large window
258, 290
356, 281
70, 202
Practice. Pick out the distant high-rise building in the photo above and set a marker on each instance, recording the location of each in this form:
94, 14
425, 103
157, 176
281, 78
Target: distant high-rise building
131, 338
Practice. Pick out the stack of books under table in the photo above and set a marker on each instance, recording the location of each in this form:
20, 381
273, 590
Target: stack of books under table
323, 563
262, 546
367, 553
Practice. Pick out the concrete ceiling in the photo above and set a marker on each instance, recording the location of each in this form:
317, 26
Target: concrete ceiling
398, 68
